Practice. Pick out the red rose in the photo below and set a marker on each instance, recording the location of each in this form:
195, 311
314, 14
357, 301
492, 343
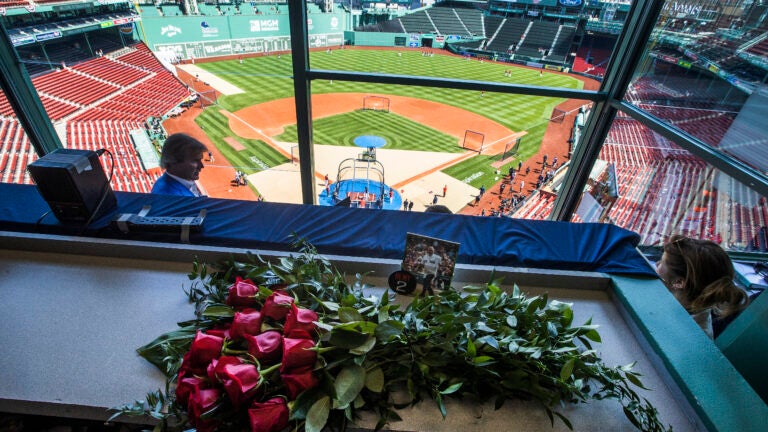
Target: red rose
246, 322
204, 348
299, 380
187, 385
200, 402
216, 367
241, 382
276, 306
242, 292
269, 416
222, 332
266, 347
189, 368
239, 379
298, 353
300, 319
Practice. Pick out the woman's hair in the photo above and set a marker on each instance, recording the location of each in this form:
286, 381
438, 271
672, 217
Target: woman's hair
707, 274
177, 146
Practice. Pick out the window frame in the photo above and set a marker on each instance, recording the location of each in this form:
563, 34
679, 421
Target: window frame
607, 100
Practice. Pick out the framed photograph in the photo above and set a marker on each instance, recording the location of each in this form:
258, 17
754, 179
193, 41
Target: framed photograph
431, 260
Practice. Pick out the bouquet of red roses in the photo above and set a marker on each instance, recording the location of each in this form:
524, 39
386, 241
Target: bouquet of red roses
252, 365
293, 345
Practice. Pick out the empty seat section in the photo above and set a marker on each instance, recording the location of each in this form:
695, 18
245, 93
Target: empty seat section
538, 39
56, 109
508, 36
73, 87
447, 21
417, 22
112, 71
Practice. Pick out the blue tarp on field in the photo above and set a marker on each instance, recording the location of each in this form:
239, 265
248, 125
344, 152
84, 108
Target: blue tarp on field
352, 232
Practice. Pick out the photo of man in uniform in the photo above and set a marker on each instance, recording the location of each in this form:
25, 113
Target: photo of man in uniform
431, 260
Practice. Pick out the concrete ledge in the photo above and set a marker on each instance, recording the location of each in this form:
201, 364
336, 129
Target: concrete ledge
87, 312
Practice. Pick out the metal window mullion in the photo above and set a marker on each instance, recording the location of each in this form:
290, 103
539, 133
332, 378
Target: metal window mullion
23, 98
297, 15
626, 57
457, 84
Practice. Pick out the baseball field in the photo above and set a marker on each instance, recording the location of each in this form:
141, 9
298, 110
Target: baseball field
253, 125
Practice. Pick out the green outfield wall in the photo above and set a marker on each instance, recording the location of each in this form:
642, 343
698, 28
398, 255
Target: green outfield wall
408, 40
214, 36
377, 38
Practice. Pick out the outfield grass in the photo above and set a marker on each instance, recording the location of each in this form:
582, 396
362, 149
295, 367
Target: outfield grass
269, 77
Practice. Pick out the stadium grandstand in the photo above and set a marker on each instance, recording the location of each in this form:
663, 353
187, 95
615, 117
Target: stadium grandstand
564, 117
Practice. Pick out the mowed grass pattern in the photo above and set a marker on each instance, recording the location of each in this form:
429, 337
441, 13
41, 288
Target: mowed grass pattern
399, 132
256, 156
267, 78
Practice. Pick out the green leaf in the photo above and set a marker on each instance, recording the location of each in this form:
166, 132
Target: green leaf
156, 351
364, 347
389, 329
549, 414
481, 326
489, 340
471, 350
512, 321
566, 321
482, 360
374, 380
359, 402
348, 314
627, 368
441, 405
567, 369
634, 380
565, 420
551, 329
331, 306
593, 335
220, 311
348, 384
317, 416
348, 339
304, 402
452, 389
631, 416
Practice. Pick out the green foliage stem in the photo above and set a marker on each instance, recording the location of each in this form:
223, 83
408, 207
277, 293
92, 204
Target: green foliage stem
481, 344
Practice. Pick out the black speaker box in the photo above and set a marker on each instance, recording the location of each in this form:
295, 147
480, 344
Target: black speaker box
74, 184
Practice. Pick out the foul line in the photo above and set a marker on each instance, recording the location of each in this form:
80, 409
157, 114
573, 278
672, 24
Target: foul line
266, 138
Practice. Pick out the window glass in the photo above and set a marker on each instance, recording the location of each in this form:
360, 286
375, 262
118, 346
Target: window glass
704, 72
253, 103
108, 89
541, 35
385, 145
645, 183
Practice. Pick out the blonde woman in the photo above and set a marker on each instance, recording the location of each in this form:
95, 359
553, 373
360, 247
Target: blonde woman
700, 275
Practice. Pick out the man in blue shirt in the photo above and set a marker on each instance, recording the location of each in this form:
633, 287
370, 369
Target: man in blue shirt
182, 158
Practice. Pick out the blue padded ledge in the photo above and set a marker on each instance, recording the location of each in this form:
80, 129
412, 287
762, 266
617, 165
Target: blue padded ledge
352, 232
